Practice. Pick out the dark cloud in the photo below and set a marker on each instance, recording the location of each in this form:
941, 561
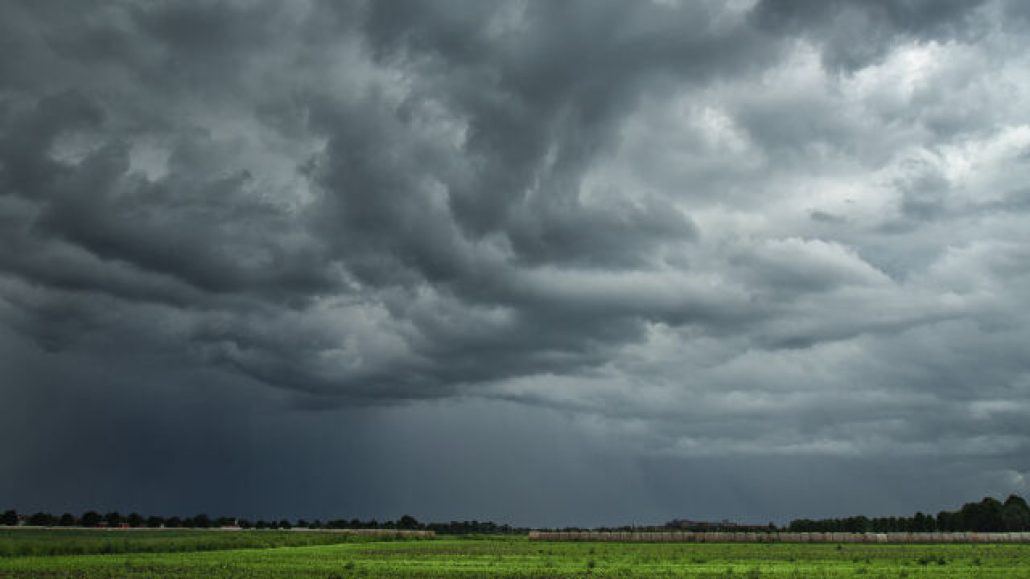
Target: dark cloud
676, 236
853, 34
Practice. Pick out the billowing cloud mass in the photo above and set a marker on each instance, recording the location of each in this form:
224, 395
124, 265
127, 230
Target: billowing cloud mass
543, 262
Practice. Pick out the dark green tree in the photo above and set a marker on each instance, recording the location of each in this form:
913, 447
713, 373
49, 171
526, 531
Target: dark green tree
201, 521
856, 524
1015, 514
90, 519
9, 518
408, 522
982, 516
922, 523
42, 520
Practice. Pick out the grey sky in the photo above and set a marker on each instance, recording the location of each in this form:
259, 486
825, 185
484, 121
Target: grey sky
540, 262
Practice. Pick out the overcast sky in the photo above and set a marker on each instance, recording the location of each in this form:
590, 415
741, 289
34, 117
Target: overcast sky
544, 262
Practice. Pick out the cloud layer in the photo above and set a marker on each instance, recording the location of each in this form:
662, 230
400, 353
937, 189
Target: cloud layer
681, 236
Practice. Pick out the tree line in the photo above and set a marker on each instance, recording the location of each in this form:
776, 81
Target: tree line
988, 515
114, 519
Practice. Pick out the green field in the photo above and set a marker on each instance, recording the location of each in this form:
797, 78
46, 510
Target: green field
26, 542
313, 554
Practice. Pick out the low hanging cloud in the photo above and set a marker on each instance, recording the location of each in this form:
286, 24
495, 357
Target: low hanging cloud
703, 229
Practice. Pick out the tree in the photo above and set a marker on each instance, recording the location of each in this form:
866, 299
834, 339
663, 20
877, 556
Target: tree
155, 522
113, 519
134, 520
284, 524
1015, 514
922, 523
856, 524
67, 520
1018, 501
42, 520
9, 518
983, 516
201, 521
408, 522
90, 519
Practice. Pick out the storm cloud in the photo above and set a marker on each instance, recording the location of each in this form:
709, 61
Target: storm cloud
545, 262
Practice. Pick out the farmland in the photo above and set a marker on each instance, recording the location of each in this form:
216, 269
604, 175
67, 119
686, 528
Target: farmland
53, 542
313, 554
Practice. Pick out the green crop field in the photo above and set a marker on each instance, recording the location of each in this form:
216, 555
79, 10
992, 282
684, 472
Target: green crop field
45, 542
313, 554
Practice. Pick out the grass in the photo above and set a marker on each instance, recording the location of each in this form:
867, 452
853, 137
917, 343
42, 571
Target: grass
45, 542
512, 557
